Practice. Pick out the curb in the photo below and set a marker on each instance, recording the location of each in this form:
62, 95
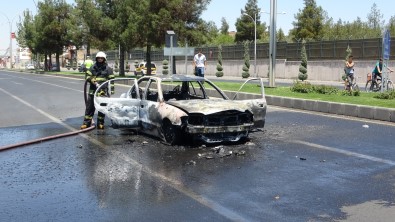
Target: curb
360, 111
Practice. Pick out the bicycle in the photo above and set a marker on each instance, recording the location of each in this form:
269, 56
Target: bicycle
377, 84
354, 84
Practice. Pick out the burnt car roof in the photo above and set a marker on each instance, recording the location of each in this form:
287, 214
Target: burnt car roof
179, 77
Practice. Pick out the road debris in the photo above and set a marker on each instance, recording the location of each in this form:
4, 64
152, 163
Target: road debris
365, 126
250, 144
302, 158
220, 152
191, 162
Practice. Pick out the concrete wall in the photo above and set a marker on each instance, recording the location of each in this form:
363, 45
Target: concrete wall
328, 70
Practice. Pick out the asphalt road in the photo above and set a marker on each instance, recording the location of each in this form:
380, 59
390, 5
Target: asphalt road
302, 167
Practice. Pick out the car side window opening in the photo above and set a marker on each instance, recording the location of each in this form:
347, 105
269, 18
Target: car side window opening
142, 84
152, 91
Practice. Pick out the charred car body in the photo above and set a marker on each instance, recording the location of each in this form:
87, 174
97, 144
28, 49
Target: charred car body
177, 106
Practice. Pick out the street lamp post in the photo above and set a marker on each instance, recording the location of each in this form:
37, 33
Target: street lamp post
271, 44
253, 19
10, 47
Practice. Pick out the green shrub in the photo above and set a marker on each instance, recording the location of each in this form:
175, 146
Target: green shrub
385, 95
246, 66
165, 67
220, 69
323, 89
351, 93
303, 65
302, 87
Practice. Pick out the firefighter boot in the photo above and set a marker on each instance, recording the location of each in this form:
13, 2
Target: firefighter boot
86, 124
100, 121
100, 126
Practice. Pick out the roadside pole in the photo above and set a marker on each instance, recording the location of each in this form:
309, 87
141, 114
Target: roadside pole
386, 57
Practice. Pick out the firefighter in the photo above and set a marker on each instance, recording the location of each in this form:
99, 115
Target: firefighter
88, 63
96, 75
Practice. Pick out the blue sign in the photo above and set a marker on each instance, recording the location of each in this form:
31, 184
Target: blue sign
386, 45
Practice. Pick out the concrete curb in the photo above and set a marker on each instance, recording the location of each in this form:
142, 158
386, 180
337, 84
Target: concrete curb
367, 112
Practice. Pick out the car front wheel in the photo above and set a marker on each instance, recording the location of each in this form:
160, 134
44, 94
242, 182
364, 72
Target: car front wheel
170, 132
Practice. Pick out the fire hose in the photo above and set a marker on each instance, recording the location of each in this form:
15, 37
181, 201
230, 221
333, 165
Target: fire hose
2, 148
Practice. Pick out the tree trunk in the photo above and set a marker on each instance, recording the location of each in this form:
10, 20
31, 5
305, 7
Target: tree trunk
148, 57
45, 62
122, 61
88, 48
57, 62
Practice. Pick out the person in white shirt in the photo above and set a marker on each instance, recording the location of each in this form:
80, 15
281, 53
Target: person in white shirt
199, 63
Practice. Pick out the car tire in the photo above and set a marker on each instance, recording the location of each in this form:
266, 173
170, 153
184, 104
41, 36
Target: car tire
170, 132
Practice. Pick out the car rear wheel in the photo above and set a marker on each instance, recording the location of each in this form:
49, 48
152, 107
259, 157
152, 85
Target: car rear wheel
170, 132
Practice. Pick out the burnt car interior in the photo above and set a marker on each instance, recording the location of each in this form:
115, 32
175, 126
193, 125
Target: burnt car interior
183, 91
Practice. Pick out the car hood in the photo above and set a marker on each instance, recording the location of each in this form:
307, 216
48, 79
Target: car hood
208, 106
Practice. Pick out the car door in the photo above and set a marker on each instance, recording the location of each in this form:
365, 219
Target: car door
150, 118
123, 111
256, 105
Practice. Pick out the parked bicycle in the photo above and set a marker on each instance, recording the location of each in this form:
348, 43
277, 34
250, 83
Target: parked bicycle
375, 86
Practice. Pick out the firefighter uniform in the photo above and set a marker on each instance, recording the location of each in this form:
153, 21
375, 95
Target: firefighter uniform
96, 75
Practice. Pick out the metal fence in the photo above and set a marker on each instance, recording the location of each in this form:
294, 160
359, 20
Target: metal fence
362, 49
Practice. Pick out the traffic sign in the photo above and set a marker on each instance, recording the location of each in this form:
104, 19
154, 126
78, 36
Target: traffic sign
178, 51
386, 45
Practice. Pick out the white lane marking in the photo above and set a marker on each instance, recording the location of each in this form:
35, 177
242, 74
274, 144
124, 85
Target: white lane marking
69, 82
118, 85
17, 83
330, 115
49, 116
177, 185
348, 153
49, 84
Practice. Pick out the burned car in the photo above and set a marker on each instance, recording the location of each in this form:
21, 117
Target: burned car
176, 107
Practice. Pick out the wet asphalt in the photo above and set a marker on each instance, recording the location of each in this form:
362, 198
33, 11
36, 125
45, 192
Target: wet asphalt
300, 167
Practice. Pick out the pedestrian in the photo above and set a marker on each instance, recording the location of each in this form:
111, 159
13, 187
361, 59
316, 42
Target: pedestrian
199, 63
96, 75
88, 63
349, 69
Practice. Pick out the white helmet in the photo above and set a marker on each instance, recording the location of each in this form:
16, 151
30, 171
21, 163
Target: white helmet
102, 55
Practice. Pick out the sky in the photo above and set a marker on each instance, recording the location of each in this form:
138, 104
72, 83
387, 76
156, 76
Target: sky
347, 10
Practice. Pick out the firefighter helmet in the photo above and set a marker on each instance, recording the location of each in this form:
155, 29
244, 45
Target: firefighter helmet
102, 55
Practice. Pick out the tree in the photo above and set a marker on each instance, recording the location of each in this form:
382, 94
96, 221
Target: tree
391, 25
245, 26
246, 66
375, 21
180, 16
222, 39
219, 72
309, 22
224, 26
280, 35
53, 27
303, 65
375, 18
